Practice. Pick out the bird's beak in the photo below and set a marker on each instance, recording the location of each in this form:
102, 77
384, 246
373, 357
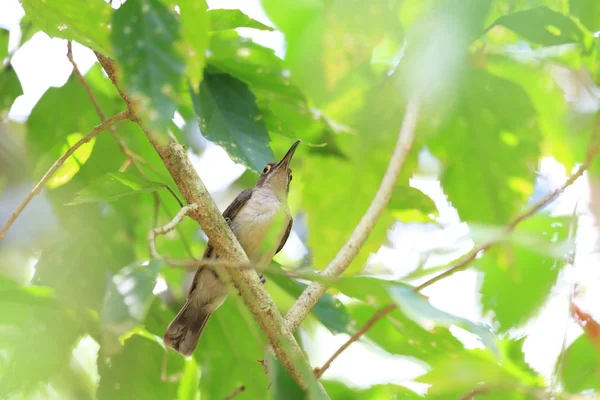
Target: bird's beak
285, 161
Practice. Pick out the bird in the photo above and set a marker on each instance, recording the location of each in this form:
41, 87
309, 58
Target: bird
261, 220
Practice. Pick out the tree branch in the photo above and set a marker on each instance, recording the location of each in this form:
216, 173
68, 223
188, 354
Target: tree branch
235, 392
226, 244
593, 149
57, 164
376, 317
349, 251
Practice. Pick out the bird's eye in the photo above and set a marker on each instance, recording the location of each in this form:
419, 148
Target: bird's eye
267, 169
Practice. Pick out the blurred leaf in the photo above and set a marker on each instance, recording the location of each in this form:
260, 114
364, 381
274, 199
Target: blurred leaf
144, 33
67, 19
405, 197
136, 371
228, 353
329, 310
580, 368
416, 307
188, 385
543, 26
62, 111
492, 131
459, 375
331, 217
283, 386
222, 19
339, 391
588, 12
228, 116
398, 334
113, 186
195, 24
562, 140
513, 359
72, 164
4, 36
10, 89
126, 302
37, 337
518, 268
328, 45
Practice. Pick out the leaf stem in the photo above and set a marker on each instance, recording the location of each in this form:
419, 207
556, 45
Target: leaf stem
57, 164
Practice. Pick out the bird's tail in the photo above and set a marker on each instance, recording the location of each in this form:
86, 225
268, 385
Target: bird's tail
184, 331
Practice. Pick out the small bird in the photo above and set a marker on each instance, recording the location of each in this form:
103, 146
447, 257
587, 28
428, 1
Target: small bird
261, 220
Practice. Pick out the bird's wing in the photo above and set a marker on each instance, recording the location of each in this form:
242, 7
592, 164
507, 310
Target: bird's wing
230, 212
286, 235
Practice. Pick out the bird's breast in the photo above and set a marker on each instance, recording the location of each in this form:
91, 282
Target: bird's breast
260, 225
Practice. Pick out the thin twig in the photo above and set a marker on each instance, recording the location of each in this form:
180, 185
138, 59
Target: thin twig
350, 250
57, 164
235, 393
376, 317
593, 148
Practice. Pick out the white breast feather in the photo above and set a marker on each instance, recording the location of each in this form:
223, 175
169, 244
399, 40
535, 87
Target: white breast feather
253, 221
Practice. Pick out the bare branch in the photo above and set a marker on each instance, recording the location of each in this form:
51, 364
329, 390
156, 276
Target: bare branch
350, 250
376, 317
57, 164
225, 243
235, 392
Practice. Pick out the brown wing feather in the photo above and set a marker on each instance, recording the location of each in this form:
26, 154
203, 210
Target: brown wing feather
230, 212
286, 235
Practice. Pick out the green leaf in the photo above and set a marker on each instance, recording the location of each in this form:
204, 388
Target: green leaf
10, 89
37, 337
4, 37
490, 148
524, 268
283, 386
67, 19
72, 164
543, 26
411, 205
416, 307
229, 117
460, 374
126, 302
398, 334
143, 34
135, 373
222, 19
329, 310
228, 353
326, 193
562, 140
337, 390
251, 63
580, 368
113, 186
588, 12
195, 24
188, 385
329, 46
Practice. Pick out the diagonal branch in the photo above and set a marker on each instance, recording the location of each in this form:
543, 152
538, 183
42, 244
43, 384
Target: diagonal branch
350, 250
225, 243
57, 164
593, 149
